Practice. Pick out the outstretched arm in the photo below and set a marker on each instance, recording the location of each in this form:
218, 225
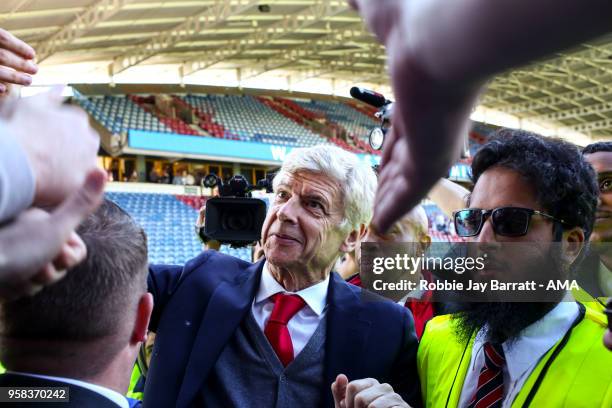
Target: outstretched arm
440, 54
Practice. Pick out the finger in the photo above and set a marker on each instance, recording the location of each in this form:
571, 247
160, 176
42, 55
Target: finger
365, 397
389, 145
11, 76
10, 42
392, 205
339, 389
353, 4
12, 60
10, 291
391, 173
78, 206
355, 387
72, 253
31, 290
388, 183
48, 275
388, 400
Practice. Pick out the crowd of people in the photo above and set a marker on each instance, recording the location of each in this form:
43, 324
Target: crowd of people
78, 298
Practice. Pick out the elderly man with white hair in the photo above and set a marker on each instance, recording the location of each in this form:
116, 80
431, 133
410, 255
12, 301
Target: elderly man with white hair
277, 333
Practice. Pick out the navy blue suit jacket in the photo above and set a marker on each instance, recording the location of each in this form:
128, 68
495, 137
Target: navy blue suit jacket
198, 308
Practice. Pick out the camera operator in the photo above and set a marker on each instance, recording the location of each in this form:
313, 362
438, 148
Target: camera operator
207, 243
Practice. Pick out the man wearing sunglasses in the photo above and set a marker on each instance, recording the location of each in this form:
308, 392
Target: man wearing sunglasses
538, 192
541, 194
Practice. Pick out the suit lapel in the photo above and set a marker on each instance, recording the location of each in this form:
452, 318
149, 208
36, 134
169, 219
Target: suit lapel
346, 338
226, 308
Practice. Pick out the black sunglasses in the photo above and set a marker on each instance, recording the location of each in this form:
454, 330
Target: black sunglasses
507, 221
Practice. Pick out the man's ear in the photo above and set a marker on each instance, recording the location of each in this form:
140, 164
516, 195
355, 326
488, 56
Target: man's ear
143, 314
572, 243
354, 239
425, 241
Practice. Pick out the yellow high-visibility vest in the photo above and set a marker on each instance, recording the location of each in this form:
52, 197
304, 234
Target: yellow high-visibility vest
576, 372
133, 381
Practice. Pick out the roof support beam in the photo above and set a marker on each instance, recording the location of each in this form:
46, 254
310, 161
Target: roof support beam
210, 17
546, 102
344, 64
568, 68
309, 50
264, 35
83, 22
592, 126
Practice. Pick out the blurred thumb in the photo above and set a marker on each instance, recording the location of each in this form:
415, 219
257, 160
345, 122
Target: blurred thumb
339, 390
80, 204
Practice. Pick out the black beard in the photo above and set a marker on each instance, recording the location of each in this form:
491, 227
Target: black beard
501, 321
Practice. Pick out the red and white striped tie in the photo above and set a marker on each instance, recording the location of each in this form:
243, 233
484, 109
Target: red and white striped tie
490, 391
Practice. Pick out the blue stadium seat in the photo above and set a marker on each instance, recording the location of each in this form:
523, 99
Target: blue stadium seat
168, 223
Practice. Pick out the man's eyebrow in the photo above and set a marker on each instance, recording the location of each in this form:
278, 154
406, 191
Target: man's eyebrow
316, 196
604, 174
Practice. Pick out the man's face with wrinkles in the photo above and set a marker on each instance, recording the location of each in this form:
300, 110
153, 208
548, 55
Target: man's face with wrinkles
302, 228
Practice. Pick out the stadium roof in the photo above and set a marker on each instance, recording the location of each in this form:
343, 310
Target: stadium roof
286, 44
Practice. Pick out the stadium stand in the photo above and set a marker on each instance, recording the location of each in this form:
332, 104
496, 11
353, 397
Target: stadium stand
169, 223
118, 114
355, 122
271, 120
246, 118
278, 121
175, 124
335, 132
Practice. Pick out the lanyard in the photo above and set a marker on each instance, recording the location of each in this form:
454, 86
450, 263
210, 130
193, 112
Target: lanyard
551, 359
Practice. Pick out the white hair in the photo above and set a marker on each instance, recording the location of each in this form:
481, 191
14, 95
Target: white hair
416, 219
355, 178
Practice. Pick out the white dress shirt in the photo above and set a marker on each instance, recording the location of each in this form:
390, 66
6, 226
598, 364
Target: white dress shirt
114, 396
523, 354
303, 325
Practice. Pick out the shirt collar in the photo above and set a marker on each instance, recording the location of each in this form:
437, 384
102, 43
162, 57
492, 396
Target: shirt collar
315, 296
112, 395
536, 339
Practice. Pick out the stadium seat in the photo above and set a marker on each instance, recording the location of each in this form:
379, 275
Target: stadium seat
169, 223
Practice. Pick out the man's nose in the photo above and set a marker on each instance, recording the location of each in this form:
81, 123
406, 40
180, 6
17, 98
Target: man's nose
288, 211
487, 239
